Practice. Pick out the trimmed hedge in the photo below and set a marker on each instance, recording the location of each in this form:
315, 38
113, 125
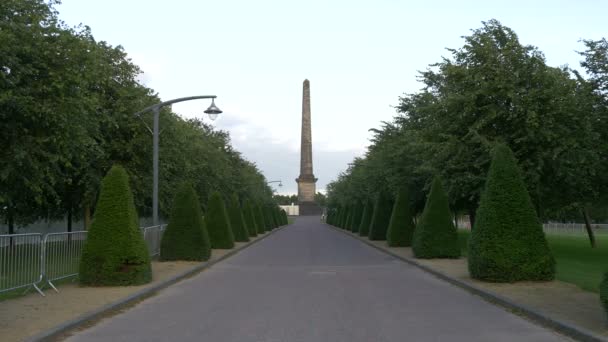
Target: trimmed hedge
237, 221
331, 214
218, 224
356, 219
380, 217
342, 217
349, 217
267, 218
259, 219
266, 222
366, 218
401, 226
186, 236
250, 223
435, 236
604, 292
507, 243
115, 252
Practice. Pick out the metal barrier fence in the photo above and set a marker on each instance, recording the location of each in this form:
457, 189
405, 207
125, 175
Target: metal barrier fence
62, 252
572, 228
153, 235
26, 260
21, 261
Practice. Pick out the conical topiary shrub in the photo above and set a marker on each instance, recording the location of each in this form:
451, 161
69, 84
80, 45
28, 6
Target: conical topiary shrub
267, 218
366, 218
115, 252
250, 222
330, 217
380, 217
275, 218
237, 221
259, 219
218, 224
401, 227
186, 236
604, 292
435, 235
349, 217
341, 216
507, 243
356, 218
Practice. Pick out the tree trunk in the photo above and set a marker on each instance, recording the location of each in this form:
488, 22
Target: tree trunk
87, 216
69, 219
588, 227
11, 224
456, 220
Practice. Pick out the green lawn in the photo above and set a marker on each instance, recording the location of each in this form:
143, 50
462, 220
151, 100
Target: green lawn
576, 261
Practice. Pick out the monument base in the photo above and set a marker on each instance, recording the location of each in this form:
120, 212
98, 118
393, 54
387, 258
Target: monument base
309, 209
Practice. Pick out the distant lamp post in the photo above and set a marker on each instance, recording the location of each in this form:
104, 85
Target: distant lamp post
213, 111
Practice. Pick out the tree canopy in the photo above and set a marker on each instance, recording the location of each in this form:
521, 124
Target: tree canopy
494, 89
67, 104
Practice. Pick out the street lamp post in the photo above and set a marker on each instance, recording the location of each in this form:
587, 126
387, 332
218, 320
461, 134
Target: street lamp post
213, 111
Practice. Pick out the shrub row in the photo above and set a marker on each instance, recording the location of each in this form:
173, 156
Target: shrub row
115, 252
506, 244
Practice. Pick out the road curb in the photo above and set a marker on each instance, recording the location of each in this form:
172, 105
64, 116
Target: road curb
578, 333
58, 331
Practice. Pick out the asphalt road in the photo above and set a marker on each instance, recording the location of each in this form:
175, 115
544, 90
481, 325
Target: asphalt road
311, 283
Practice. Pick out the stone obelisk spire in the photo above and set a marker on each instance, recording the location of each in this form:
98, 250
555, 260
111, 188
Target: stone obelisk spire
307, 180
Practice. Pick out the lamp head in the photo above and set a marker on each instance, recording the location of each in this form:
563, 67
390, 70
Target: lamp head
213, 111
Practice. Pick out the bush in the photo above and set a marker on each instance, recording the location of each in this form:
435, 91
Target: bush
507, 243
218, 224
380, 217
435, 236
341, 217
274, 210
250, 221
267, 218
259, 219
237, 221
366, 218
331, 214
349, 217
356, 218
401, 226
115, 252
186, 237
285, 218
604, 292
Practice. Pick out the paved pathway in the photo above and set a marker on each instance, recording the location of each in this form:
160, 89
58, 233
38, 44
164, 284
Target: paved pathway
311, 283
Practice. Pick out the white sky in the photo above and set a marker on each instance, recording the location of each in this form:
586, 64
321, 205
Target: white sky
359, 56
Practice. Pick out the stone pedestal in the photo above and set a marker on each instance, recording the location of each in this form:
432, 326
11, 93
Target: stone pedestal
309, 209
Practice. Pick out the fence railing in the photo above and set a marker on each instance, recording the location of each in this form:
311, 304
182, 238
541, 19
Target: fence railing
62, 252
554, 227
21, 261
26, 260
153, 235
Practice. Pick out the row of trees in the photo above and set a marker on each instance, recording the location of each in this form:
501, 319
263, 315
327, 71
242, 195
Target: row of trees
494, 90
507, 243
66, 115
320, 199
115, 252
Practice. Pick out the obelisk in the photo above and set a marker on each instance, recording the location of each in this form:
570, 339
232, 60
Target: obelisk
306, 181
